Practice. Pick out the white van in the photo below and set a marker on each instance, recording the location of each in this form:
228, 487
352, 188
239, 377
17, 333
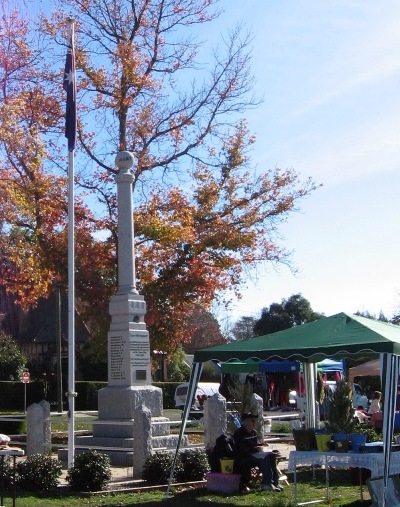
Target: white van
359, 398
203, 389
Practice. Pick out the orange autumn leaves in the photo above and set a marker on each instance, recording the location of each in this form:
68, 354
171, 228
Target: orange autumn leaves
203, 215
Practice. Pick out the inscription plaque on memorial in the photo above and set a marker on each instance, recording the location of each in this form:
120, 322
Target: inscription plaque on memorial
117, 344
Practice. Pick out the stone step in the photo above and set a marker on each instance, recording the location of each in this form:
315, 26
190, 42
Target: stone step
167, 441
118, 456
120, 450
123, 428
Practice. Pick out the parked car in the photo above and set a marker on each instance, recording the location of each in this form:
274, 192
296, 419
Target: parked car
203, 391
360, 399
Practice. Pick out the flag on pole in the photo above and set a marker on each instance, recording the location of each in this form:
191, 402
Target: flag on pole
70, 87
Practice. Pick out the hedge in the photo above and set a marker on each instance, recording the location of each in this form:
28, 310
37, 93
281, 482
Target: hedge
12, 394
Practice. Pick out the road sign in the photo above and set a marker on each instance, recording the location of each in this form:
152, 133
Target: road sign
26, 377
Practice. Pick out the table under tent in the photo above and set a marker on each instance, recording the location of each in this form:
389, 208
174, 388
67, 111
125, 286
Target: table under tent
337, 337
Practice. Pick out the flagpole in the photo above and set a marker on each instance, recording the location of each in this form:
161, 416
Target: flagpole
70, 132
71, 311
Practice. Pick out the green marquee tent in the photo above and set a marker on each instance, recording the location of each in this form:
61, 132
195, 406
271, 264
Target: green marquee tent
338, 336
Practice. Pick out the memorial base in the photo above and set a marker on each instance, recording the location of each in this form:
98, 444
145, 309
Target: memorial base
113, 431
121, 402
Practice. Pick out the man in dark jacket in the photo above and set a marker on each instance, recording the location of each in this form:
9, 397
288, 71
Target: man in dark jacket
250, 453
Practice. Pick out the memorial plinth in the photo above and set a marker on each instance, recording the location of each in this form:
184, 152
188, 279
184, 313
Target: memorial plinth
129, 374
129, 364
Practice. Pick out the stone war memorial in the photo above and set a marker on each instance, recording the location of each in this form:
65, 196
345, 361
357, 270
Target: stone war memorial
129, 389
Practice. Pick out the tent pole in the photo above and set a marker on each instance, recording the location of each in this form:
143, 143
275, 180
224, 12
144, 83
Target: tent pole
389, 380
194, 378
309, 383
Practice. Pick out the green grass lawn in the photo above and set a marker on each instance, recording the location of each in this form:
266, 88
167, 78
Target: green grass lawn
59, 422
342, 493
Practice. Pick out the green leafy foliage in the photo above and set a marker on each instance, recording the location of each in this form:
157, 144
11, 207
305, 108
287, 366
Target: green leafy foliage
91, 471
157, 468
241, 393
341, 412
6, 474
12, 362
281, 427
372, 435
177, 368
38, 473
291, 312
194, 465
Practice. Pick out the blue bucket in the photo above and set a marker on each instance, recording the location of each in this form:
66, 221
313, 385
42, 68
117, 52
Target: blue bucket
357, 440
338, 437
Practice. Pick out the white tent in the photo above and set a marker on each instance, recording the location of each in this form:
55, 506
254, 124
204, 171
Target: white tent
370, 368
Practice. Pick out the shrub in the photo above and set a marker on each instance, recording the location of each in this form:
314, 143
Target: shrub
194, 466
91, 471
38, 473
372, 435
6, 473
281, 427
157, 468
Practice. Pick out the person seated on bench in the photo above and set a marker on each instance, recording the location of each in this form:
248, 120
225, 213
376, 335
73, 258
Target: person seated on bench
250, 453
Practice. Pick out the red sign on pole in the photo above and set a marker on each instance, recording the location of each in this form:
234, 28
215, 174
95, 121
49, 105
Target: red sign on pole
26, 377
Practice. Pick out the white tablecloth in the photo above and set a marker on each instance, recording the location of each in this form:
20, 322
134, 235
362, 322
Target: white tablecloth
372, 461
11, 451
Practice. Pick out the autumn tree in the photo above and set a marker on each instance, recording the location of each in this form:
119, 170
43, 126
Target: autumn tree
291, 312
203, 330
33, 215
202, 212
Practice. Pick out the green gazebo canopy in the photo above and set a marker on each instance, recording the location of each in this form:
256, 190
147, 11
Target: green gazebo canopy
337, 336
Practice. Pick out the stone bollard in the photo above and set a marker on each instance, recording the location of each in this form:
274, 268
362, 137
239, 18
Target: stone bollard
214, 419
142, 444
38, 436
256, 407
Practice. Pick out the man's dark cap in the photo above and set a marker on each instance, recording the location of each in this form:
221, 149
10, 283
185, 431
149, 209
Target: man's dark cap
248, 415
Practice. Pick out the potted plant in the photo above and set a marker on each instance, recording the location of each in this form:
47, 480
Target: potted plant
340, 422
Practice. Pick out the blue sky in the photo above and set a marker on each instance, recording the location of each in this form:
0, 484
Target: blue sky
330, 74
